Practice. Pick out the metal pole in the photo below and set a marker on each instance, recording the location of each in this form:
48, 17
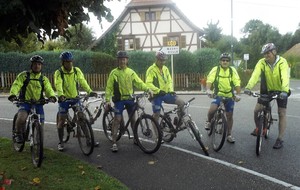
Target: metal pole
231, 32
172, 68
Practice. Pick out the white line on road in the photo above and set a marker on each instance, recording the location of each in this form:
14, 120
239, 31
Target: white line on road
269, 178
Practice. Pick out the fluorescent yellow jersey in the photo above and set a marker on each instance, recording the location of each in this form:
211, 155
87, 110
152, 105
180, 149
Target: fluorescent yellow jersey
120, 84
34, 87
224, 80
158, 80
67, 85
276, 76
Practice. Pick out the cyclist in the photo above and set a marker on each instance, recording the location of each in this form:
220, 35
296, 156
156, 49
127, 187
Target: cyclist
30, 85
119, 89
273, 71
66, 80
159, 80
225, 80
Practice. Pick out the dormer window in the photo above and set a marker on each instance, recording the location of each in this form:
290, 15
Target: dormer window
150, 16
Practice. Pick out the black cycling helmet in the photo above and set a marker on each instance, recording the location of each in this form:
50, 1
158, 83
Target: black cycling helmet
37, 58
267, 47
161, 55
122, 54
66, 56
225, 55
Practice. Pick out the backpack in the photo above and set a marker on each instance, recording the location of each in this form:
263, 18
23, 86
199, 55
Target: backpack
26, 82
216, 81
63, 79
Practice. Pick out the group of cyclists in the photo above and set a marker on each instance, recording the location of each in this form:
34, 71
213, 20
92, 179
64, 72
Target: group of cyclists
222, 81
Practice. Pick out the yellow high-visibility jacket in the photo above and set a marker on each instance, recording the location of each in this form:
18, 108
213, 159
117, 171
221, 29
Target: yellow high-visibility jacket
276, 76
158, 80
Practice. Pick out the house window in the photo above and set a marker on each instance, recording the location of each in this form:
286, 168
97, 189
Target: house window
129, 44
150, 16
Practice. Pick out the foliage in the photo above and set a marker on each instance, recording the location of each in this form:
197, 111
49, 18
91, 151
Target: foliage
103, 63
185, 62
108, 44
58, 171
46, 18
212, 32
81, 37
139, 61
207, 58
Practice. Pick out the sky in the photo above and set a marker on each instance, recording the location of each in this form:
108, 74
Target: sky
281, 14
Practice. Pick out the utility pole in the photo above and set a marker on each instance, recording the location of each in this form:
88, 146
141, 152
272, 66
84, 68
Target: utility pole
231, 32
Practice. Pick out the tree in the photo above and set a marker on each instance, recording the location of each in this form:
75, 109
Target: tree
212, 32
46, 18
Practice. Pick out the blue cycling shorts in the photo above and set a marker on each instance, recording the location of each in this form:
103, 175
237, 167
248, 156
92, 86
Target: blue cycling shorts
229, 104
156, 102
64, 106
39, 110
119, 106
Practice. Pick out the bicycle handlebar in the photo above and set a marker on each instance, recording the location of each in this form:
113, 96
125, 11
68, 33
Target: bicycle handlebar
32, 102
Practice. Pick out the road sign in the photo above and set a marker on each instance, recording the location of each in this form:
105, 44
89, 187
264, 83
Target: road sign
170, 50
246, 57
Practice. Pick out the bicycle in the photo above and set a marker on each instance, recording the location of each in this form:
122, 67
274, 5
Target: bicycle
265, 119
79, 125
33, 132
169, 131
93, 116
218, 127
146, 132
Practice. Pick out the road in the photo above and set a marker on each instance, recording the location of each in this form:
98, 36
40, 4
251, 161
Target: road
281, 167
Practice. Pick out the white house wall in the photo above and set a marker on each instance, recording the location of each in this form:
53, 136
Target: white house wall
151, 34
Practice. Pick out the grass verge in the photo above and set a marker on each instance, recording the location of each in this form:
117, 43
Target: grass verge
58, 171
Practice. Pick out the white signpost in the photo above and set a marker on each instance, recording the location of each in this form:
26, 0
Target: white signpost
171, 50
246, 58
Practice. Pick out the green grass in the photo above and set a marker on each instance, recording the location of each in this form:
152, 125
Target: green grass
58, 171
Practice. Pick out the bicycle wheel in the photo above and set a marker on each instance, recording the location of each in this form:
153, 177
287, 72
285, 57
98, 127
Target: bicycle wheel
268, 123
219, 130
259, 135
167, 129
107, 120
36, 144
85, 136
17, 146
147, 134
197, 136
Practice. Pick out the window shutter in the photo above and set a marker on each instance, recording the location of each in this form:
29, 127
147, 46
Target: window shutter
142, 16
182, 42
120, 44
165, 41
137, 44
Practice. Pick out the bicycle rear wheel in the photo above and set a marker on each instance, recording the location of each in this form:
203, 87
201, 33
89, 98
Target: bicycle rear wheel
192, 125
85, 136
259, 136
167, 129
219, 130
107, 121
36, 144
147, 134
17, 146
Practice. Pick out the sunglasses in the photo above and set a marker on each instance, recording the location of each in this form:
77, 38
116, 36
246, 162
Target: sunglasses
225, 60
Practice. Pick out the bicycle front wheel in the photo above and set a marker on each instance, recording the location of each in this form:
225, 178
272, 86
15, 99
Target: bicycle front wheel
107, 122
259, 136
17, 146
197, 136
85, 136
147, 134
268, 120
219, 130
36, 144
167, 129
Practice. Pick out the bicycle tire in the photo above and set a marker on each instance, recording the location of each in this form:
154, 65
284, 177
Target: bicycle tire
197, 136
259, 136
268, 120
17, 146
147, 134
219, 131
167, 129
85, 136
36, 144
107, 121
88, 115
